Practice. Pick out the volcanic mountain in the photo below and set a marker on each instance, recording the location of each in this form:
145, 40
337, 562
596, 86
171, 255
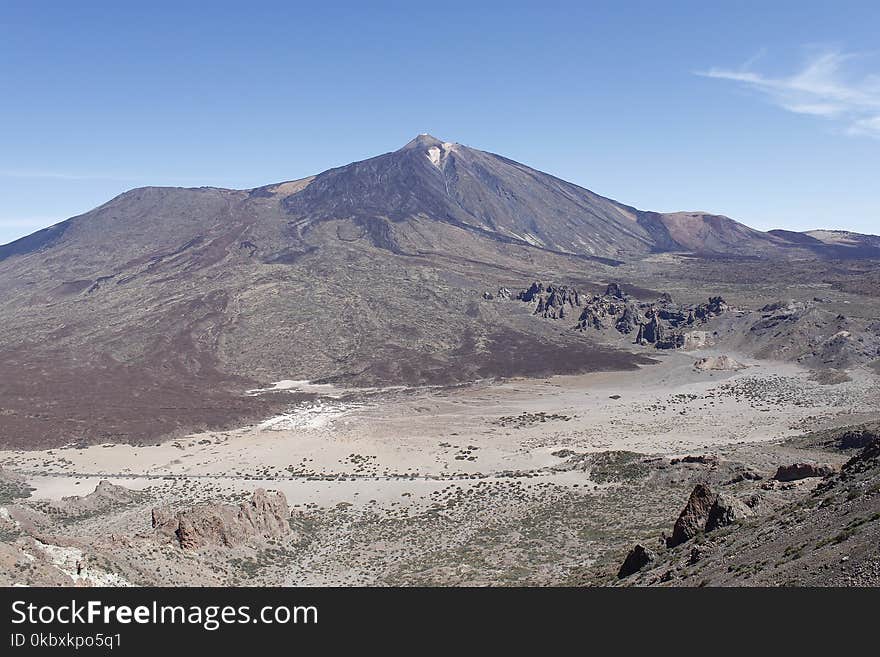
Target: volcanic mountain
153, 313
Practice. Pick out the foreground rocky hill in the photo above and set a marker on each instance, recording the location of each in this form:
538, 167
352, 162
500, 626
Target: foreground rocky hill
827, 536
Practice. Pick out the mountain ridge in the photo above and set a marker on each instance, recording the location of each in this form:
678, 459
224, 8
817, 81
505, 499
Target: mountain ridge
488, 193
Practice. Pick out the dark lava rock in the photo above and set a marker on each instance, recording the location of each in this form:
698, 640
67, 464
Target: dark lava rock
534, 290
551, 300
702, 459
630, 321
867, 459
716, 306
673, 341
857, 439
802, 471
638, 558
692, 519
726, 511
613, 290
651, 332
747, 474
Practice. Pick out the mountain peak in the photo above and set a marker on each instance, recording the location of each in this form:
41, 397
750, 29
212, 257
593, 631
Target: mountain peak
423, 140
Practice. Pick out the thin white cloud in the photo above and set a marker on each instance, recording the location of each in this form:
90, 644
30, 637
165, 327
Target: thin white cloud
822, 87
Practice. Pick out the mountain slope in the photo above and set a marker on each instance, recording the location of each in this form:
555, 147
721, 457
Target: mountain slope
176, 301
507, 201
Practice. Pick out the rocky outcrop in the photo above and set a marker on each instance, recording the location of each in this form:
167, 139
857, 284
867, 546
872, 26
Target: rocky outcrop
726, 510
105, 497
263, 516
692, 519
552, 301
652, 331
630, 320
661, 324
715, 306
105, 493
638, 558
857, 438
613, 290
531, 293
798, 471
161, 519
707, 511
607, 312
867, 459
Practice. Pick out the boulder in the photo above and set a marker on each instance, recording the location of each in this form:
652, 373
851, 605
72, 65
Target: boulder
726, 510
722, 363
638, 558
692, 519
802, 471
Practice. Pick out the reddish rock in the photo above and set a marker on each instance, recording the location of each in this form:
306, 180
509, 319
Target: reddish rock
802, 471
692, 519
263, 516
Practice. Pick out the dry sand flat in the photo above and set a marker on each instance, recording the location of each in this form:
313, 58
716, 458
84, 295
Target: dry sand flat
463, 485
326, 450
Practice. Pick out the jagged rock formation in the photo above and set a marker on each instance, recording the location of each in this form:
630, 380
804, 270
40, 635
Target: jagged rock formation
613, 290
551, 301
661, 324
822, 536
263, 516
653, 331
556, 299
609, 311
630, 320
638, 558
692, 519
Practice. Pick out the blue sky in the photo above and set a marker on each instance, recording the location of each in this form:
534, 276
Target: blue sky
768, 112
